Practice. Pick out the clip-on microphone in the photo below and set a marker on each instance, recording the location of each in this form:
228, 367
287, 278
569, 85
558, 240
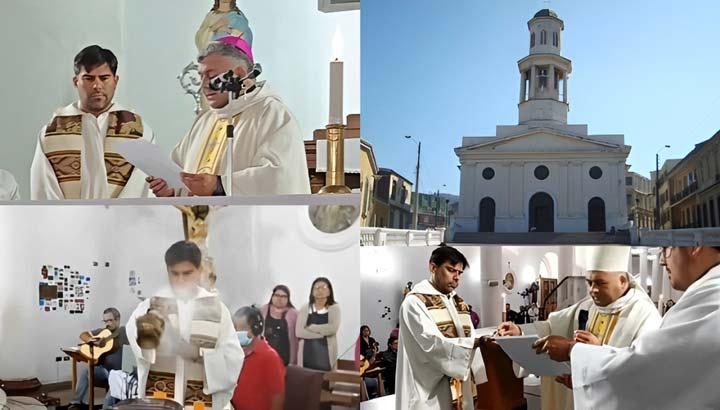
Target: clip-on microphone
233, 84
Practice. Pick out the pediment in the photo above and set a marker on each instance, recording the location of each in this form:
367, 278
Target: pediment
541, 140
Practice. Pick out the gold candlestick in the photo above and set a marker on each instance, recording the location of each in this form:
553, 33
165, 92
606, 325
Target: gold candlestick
335, 173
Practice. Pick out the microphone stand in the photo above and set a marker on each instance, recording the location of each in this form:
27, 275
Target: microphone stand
230, 132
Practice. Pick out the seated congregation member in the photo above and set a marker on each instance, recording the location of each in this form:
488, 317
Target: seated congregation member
108, 362
367, 343
389, 363
261, 385
74, 157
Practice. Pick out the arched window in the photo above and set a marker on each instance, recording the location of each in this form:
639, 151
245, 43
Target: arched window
532, 40
555, 38
543, 37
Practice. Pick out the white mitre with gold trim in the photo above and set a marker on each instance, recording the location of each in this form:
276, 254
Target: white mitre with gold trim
607, 258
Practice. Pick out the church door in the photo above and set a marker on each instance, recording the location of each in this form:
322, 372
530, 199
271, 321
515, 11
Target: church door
487, 215
596, 215
542, 213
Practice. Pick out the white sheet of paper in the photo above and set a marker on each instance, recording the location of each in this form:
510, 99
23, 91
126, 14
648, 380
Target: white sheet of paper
151, 160
520, 350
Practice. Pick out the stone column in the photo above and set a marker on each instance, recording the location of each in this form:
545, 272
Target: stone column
655, 270
551, 81
643, 266
657, 280
533, 81
566, 267
565, 81
491, 269
522, 86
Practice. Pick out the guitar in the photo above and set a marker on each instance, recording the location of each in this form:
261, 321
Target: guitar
100, 344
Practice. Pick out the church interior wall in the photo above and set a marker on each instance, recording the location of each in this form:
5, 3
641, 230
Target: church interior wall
153, 41
254, 248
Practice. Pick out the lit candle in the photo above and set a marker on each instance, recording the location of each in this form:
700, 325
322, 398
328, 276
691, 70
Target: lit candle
336, 81
660, 303
502, 308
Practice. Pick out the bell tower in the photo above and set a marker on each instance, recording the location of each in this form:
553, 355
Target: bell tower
544, 72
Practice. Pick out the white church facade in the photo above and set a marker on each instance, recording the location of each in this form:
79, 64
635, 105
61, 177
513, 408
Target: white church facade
543, 174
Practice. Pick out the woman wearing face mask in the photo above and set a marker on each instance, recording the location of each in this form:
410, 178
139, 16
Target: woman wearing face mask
261, 384
280, 319
317, 326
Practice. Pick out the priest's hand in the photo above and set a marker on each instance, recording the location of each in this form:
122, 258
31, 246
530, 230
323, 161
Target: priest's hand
565, 380
188, 351
509, 329
150, 328
200, 184
557, 347
583, 336
160, 187
480, 341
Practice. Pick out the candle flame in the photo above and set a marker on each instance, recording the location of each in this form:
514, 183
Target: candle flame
337, 44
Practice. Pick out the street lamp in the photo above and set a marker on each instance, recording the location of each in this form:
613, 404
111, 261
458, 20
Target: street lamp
417, 181
437, 205
657, 187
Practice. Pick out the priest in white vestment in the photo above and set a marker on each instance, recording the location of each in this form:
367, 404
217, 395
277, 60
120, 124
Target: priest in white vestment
75, 156
673, 367
616, 312
268, 148
438, 362
184, 339
8, 187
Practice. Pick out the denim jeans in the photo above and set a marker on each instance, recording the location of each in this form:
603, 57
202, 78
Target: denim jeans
82, 388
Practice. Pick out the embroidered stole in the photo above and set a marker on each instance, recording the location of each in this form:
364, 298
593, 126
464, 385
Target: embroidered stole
443, 320
205, 330
602, 325
63, 142
214, 147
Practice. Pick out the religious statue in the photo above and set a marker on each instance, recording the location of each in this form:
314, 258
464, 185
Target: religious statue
333, 218
196, 228
224, 19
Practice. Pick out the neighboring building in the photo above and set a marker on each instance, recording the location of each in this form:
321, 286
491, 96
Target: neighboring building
433, 211
368, 172
694, 187
543, 174
392, 200
316, 153
664, 189
640, 198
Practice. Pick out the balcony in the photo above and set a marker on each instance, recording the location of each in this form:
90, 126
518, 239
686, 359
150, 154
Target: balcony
400, 237
685, 192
